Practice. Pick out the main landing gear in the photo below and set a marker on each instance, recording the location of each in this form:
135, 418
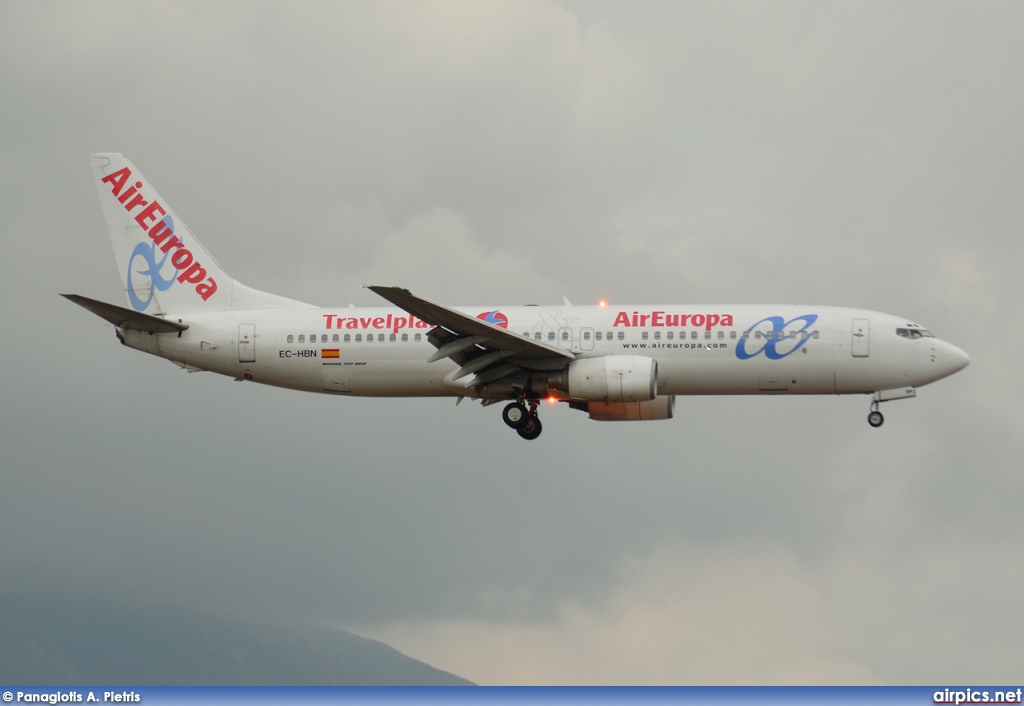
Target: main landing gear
522, 416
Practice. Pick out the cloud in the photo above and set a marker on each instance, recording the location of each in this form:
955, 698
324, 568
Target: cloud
682, 614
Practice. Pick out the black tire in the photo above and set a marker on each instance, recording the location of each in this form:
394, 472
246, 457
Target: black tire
515, 415
875, 419
531, 430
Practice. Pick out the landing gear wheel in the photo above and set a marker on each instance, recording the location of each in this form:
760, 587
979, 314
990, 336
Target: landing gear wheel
531, 430
875, 418
515, 415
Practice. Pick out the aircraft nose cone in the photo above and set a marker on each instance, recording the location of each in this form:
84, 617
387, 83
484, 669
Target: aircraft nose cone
953, 359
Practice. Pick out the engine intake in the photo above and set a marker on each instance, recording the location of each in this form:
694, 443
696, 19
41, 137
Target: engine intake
611, 378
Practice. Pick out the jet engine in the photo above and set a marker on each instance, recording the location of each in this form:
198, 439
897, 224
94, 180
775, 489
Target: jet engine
611, 378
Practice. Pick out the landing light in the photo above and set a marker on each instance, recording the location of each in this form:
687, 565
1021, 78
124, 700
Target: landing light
602, 303
552, 399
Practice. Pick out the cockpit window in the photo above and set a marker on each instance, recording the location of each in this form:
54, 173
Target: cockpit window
914, 333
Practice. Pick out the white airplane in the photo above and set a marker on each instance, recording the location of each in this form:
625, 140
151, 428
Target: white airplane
613, 362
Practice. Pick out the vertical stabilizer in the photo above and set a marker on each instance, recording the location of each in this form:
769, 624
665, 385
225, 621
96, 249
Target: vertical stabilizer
163, 267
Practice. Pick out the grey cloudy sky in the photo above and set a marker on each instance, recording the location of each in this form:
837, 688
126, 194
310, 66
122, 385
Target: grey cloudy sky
864, 154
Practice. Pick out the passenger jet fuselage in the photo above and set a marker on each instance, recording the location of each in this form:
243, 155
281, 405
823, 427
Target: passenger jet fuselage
614, 362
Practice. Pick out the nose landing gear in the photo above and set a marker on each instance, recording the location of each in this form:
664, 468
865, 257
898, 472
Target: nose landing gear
522, 416
875, 417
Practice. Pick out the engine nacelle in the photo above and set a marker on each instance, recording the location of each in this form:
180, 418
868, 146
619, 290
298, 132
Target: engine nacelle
610, 378
658, 408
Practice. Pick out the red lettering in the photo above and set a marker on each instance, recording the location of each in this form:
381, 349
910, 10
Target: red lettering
150, 212
330, 320
149, 217
378, 322
388, 323
160, 232
621, 319
206, 289
658, 318
128, 194
671, 319
400, 322
697, 320
351, 323
172, 243
727, 320
365, 323
182, 259
712, 321
137, 201
683, 318
117, 179
643, 319
193, 273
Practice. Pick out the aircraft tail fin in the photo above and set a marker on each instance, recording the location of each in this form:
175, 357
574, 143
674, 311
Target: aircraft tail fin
163, 266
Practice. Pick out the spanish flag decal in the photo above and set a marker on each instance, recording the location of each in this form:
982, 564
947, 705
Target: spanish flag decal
330, 353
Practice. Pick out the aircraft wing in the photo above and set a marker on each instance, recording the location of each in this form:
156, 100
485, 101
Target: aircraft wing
485, 352
126, 318
495, 338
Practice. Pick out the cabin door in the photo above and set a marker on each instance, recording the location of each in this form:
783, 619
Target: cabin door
246, 343
861, 345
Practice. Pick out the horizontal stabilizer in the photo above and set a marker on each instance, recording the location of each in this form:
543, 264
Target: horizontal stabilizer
126, 318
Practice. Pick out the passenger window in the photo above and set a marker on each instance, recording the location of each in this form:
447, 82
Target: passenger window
586, 335
359, 338
721, 335
597, 336
622, 335
644, 335
537, 335
757, 334
746, 335
693, 335
302, 338
609, 335
814, 335
732, 335
380, 338
393, 337
668, 335
323, 338
291, 338
657, 335
348, 337
707, 335
418, 337
551, 335
405, 338
565, 335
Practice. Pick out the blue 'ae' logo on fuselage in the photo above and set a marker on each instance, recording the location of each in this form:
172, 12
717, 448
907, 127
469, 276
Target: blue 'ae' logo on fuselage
772, 341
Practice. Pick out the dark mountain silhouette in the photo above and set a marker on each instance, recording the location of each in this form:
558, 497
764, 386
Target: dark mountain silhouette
78, 642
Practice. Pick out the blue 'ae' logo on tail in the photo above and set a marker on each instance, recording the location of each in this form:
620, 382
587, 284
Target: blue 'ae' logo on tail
148, 252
